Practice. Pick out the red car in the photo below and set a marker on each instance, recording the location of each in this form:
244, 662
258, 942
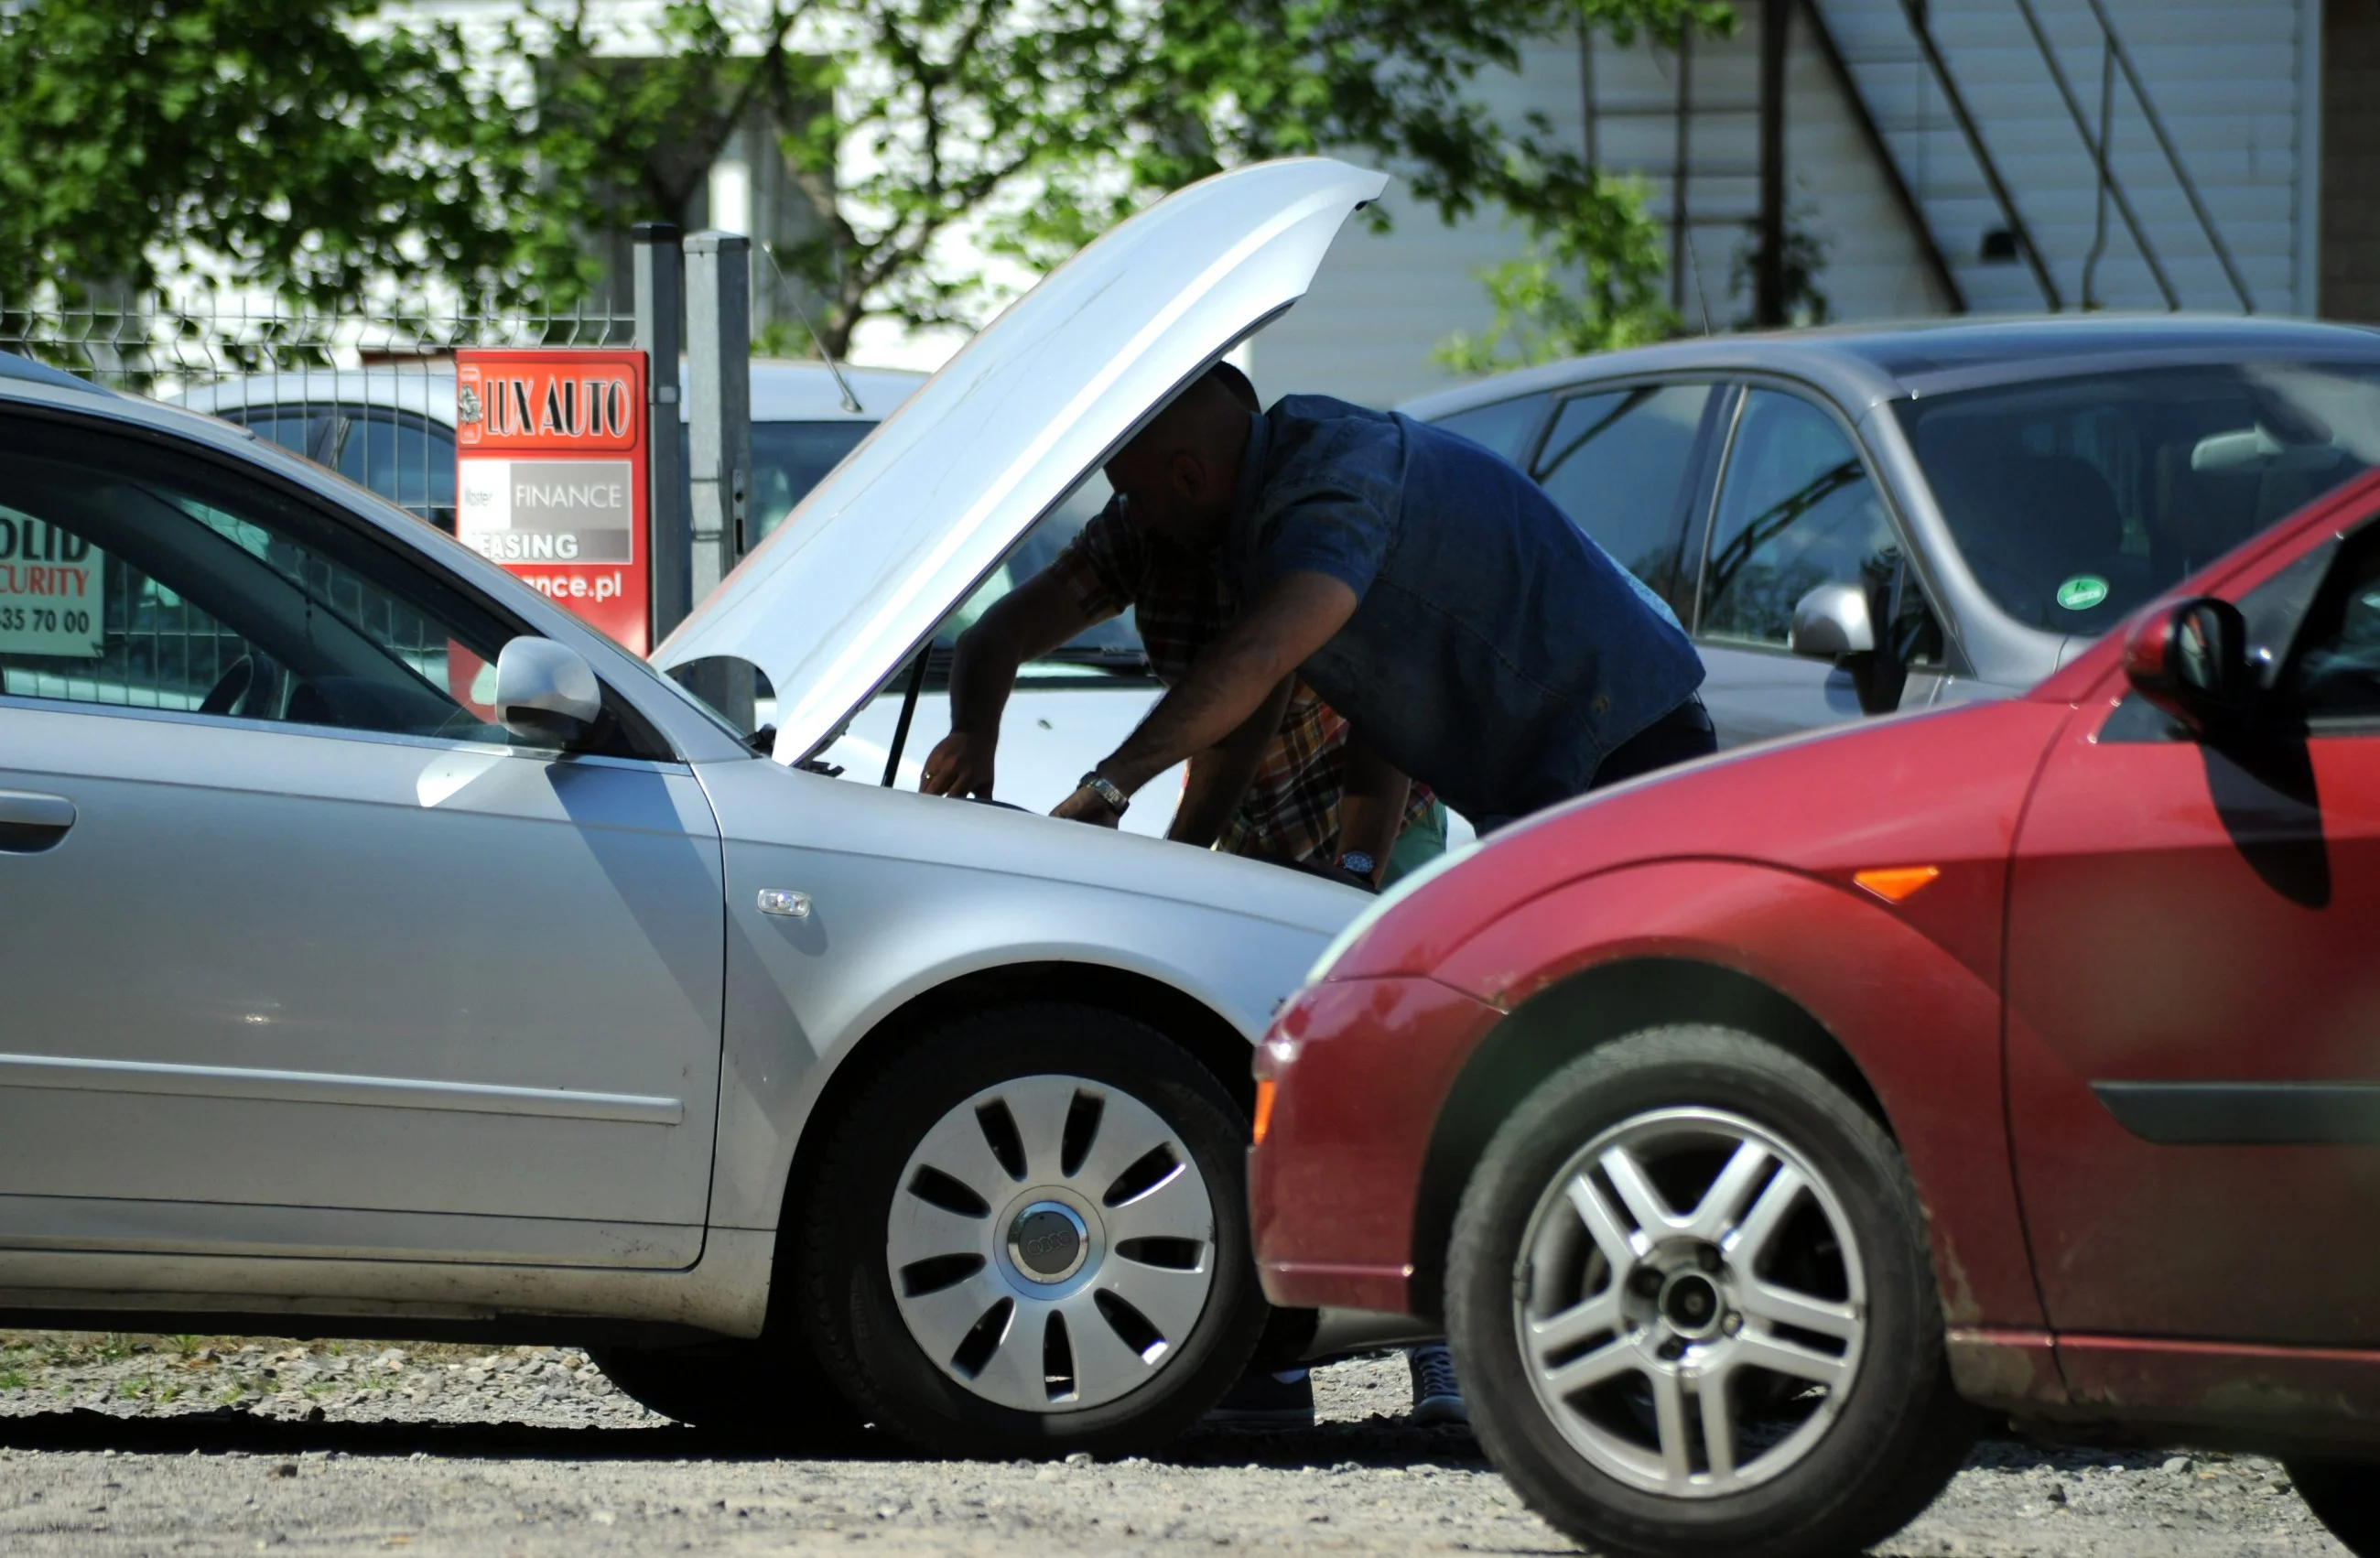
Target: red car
1756, 1128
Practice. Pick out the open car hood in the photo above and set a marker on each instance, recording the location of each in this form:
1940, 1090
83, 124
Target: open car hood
856, 578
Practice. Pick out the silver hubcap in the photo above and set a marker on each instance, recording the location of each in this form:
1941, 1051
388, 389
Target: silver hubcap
1690, 1304
1051, 1244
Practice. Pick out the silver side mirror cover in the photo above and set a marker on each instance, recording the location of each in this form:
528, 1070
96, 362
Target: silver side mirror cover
545, 693
1832, 621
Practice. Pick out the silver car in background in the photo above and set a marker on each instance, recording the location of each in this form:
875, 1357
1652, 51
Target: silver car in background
341, 1003
1857, 519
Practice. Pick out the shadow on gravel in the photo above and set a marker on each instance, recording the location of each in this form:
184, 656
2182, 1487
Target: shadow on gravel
1380, 1441
1377, 1441
222, 1432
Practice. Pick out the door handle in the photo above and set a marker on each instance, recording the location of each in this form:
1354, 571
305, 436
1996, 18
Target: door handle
31, 823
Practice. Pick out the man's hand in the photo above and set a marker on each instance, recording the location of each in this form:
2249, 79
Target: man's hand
960, 764
1086, 805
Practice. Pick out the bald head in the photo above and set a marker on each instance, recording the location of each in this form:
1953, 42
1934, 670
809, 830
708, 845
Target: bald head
1178, 474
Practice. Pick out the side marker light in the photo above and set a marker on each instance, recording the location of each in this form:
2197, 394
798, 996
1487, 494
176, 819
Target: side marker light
1265, 1089
1895, 884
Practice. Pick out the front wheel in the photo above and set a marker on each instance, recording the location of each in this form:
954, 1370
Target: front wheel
1688, 1295
1029, 1237
2344, 1497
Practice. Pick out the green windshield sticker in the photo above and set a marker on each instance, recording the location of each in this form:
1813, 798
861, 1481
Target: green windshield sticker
2082, 592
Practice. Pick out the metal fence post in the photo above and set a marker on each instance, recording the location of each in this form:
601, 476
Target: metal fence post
719, 375
661, 300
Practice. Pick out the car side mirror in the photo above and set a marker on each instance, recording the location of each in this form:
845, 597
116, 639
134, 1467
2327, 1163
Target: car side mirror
546, 693
1832, 621
2190, 660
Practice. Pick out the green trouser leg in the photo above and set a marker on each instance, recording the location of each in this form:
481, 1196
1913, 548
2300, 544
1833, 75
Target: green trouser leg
1422, 842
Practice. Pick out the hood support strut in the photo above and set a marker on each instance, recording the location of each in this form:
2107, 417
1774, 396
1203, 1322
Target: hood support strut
908, 711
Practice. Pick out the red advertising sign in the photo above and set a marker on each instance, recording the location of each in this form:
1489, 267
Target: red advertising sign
550, 477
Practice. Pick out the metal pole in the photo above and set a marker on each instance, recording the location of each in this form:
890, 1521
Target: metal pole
661, 306
1678, 171
1769, 274
719, 447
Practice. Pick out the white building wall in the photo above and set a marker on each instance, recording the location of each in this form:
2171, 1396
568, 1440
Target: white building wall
1382, 303
2228, 78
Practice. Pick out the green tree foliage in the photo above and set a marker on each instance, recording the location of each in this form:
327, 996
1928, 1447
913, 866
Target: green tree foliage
1589, 284
1587, 279
277, 134
315, 144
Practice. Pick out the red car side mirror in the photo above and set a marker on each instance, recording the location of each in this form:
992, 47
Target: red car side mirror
2190, 660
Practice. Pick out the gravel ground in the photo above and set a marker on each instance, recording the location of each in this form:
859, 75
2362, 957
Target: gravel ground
151, 1444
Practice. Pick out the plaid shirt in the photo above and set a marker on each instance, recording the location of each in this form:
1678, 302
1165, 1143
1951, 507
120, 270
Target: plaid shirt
1181, 604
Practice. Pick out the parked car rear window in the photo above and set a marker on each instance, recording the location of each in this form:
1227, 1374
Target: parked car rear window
1503, 426
2076, 500
1618, 464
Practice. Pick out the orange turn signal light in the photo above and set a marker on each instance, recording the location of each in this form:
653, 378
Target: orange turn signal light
1265, 1089
1895, 884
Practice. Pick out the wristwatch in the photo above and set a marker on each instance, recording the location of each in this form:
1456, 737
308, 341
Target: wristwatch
1359, 863
1117, 800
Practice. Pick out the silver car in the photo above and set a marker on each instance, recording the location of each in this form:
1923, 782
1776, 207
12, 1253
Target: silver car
338, 1001
1859, 519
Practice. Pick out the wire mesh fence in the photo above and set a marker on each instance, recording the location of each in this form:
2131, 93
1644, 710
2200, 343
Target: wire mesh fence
368, 396
371, 396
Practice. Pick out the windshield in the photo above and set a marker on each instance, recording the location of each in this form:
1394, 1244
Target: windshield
2076, 500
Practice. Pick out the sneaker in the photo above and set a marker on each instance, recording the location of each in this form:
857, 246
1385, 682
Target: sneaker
1437, 1397
1267, 1400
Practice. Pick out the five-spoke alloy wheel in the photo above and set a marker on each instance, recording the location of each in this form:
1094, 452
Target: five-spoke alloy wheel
1691, 1303
1028, 1236
1693, 1309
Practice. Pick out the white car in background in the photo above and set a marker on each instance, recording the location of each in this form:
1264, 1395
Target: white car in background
391, 428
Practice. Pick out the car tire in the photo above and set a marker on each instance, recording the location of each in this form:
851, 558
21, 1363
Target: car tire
2344, 1497
1028, 1236
746, 1390
1837, 1431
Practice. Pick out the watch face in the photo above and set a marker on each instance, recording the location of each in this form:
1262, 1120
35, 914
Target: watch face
1357, 861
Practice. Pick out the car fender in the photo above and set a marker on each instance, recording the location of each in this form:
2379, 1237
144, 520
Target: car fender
1922, 1025
902, 893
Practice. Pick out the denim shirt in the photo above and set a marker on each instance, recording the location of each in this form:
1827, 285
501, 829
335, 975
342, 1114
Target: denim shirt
1497, 654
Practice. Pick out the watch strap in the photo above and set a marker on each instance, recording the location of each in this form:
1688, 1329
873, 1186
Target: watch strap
1106, 790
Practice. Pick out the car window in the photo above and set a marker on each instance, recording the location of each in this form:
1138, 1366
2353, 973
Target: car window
136, 579
1620, 463
404, 458
1504, 426
788, 460
1796, 509
2077, 500
2334, 667
297, 430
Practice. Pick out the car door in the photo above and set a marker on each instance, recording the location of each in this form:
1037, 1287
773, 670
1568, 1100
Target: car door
297, 956
2193, 1008
1797, 507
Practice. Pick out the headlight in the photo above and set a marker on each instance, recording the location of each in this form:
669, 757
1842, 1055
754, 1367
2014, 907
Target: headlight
1405, 888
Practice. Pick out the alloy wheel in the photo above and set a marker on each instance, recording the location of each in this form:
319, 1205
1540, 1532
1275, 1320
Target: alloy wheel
1690, 1304
1051, 1244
